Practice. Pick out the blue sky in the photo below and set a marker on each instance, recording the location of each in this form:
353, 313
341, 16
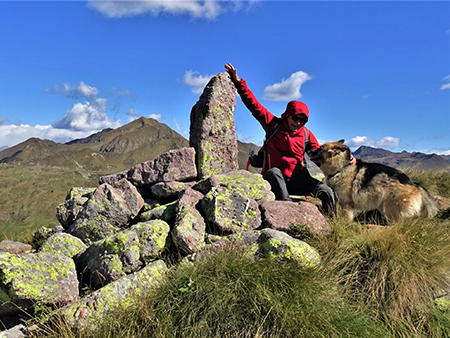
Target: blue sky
373, 73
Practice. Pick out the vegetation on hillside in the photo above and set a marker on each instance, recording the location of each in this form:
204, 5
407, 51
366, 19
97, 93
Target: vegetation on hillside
373, 282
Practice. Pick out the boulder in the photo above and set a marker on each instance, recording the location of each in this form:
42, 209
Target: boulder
14, 247
267, 243
36, 277
170, 189
244, 182
206, 184
123, 253
278, 244
212, 129
68, 211
166, 212
44, 233
174, 165
294, 218
108, 210
189, 231
63, 244
231, 211
111, 179
90, 310
18, 331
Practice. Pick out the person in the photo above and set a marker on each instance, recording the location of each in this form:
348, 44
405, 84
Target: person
286, 172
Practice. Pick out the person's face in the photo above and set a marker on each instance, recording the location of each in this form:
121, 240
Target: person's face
295, 122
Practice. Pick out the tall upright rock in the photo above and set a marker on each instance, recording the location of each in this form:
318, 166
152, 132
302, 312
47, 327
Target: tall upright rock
212, 131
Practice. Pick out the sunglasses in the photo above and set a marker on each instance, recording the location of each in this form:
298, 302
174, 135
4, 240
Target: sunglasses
296, 118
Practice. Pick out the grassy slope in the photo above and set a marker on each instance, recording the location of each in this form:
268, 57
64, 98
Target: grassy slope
29, 196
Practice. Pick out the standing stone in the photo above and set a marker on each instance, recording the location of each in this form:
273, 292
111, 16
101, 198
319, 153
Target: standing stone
212, 131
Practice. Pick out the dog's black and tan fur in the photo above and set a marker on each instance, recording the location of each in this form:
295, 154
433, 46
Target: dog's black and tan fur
371, 186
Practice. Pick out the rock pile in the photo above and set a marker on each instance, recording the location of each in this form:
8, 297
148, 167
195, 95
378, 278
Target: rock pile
117, 239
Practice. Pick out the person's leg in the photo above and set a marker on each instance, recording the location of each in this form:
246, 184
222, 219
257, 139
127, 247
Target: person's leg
278, 184
326, 195
304, 184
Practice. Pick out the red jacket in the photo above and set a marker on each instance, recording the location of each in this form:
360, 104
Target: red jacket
285, 147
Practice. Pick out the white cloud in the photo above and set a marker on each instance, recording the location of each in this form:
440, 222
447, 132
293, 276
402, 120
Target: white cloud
11, 135
387, 142
446, 85
82, 91
80, 121
196, 9
86, 117
177, 124
157, 117
131, 115
197, 83
288, 89
90, 116
179, 127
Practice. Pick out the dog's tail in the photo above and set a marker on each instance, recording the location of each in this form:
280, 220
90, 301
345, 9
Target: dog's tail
429, 206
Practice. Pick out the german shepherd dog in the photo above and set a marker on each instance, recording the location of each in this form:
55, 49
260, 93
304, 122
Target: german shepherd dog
371, 186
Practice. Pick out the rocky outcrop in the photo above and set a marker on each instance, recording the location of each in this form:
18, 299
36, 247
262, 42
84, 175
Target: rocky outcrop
212, 131
293, 217
117, 238
109, 209
31, 278
118, 255
89, 310
175, 165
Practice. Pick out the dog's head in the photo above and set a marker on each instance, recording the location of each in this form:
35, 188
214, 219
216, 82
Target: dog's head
331, 156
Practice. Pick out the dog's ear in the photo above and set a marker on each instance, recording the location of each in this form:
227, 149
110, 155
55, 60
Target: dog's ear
341, 141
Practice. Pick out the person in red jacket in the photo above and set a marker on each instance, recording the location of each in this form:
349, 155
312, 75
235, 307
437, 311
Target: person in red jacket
287, 173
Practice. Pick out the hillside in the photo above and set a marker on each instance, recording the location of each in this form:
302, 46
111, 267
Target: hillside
413, 161
107, 151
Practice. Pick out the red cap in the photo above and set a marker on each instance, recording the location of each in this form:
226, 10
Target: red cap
295, 108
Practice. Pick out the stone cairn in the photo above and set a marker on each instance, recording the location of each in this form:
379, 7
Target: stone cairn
118, 238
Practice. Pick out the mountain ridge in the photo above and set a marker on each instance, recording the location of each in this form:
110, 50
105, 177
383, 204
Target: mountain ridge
113, 150
404, 159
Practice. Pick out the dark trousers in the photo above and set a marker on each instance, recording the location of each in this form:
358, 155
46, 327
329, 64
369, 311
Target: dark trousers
302, 184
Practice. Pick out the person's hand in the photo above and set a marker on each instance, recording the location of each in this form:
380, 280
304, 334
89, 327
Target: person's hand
233, 72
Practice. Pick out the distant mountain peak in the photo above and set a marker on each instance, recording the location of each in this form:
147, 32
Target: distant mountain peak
404, 159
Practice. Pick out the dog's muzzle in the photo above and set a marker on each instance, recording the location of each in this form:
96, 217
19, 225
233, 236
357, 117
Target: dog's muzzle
316, 157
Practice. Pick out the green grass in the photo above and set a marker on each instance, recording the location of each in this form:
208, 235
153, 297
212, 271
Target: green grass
29, 196
233, 295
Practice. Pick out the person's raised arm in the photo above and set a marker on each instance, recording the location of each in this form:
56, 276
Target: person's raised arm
233, 72
263, 116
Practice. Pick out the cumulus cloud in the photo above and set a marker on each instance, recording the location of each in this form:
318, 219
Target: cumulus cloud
197, 83
81, 121
387, 142
196, 9
11, 135
89, 116
131, 115
157, 117
288, 89
81, 91
446, 85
